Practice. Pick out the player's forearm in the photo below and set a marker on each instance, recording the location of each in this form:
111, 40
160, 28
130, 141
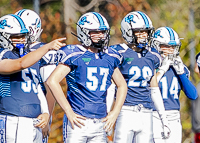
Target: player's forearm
50, 99
120, 98
51, 102
157, 99
10, 66
43, 101
188, 88
57, 92
32, 57
37, 54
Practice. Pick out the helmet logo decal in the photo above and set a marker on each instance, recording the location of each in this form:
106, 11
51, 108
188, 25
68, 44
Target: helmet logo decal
83, 20
36, 21
102, 25
3, 23
157, 33
129, 19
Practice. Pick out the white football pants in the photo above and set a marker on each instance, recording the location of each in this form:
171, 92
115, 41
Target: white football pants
92, 132
173, 117
134, 125
19, 130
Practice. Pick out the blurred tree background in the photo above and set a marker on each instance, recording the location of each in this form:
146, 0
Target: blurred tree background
59, 18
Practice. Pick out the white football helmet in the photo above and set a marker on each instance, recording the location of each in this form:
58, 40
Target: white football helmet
93, 21
166, 36
12, 25
32, 22
136, 21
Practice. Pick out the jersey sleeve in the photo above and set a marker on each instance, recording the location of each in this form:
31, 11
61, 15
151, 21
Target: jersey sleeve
120, 49
66, 54
5, 54
157, 58
116, 55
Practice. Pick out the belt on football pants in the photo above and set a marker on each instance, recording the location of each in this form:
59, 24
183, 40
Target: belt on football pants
136, 108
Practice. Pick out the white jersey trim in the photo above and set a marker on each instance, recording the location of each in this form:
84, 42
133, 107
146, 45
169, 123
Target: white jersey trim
2, 53
75, 53
124, 46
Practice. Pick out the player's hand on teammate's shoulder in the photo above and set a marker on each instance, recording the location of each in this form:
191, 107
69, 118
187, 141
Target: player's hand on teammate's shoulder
56, 44
110, 120
43, 120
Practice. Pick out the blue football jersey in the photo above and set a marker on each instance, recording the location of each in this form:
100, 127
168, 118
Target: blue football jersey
170, 87
50, 58
89, 78
18, 91
138, 69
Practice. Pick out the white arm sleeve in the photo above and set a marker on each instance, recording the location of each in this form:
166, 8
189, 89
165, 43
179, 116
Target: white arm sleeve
158, 101
46, 71
43, 101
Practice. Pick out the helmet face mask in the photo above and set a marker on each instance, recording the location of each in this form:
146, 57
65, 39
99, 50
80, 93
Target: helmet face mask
93, 22
166, 37
13, 32
32, 22
136, 22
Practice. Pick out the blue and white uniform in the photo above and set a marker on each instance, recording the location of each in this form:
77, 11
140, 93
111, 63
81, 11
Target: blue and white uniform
134, 122
20, 104
170, 85
88, 82
47, 65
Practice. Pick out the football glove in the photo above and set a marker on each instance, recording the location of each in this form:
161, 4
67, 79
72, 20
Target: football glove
165, 64
178, 65
166, 130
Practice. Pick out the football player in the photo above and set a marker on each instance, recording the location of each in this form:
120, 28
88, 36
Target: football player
22, 116
134, 123
88, 69
173, 76
48, 61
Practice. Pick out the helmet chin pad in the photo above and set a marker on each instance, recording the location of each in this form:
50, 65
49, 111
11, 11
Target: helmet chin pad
142, 43
100, 44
